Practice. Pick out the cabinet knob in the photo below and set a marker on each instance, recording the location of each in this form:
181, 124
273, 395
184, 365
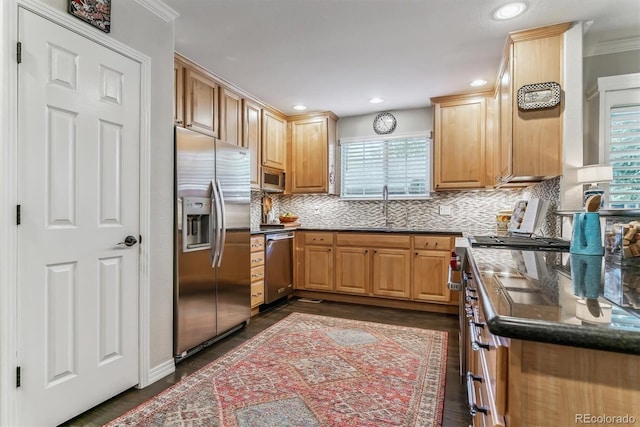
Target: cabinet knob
329, 249
190, 125
366, 251
178, 122
416, 253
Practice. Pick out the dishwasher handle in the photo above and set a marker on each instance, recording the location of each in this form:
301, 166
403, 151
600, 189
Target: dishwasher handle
279, 236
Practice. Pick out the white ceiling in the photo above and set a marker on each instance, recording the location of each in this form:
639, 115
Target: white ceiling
336, 54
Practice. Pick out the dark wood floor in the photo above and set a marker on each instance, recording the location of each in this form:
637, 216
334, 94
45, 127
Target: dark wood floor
456, 413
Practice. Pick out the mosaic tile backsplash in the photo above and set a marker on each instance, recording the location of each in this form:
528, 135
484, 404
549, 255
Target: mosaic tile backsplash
473, 212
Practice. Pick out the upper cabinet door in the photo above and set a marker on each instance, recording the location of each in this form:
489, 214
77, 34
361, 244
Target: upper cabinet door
505, 147
252, 137
201, 112
178, 94
274, 130
459, 148
309, 156
231, 117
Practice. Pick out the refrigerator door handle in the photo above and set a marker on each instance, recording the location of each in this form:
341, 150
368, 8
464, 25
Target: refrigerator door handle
213, 225
223, 226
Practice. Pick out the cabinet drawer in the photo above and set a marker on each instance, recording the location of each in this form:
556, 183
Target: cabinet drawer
257, 273
373, 240
492, 357
257, 243
257, 258
257, 293
432, 242
318, 238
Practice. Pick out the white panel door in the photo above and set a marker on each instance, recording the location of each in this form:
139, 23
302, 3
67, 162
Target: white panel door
79, 113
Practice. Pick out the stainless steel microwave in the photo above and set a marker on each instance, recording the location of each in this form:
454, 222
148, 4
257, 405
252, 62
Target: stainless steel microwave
272, 180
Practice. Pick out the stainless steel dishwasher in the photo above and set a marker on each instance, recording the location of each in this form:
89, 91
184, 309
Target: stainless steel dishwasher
278, 268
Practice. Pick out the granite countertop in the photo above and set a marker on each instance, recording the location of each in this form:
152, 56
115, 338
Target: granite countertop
365, 230
533, 295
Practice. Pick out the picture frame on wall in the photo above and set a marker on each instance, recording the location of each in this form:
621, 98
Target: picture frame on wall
95, 12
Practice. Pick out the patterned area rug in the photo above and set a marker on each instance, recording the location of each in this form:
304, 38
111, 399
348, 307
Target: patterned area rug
309, 370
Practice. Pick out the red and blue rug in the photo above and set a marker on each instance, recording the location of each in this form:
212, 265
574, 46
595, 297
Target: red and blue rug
309, 370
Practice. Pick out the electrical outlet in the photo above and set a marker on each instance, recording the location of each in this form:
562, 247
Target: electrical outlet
445, 210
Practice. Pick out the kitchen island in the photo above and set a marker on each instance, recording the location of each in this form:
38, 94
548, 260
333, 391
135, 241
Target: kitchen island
543, 346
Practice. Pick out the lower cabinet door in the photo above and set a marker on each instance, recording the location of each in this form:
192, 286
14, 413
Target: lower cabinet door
430, 270
391, 273
318, 273
352, 270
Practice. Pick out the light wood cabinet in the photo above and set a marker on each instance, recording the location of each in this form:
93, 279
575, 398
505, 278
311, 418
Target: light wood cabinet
352, 270
530, 140
505, 92
388, 269
314, 261
256, 244
201, 103
274, 130
391, 273
373, 264
252, 137
178, 93
430, 270
231, 117
312, 149
318, 273
459, 145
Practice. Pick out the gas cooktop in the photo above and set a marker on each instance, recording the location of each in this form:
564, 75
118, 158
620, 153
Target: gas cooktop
521, 242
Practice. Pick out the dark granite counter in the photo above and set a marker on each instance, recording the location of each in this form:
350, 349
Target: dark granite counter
385, 230
272, 230
456, 233
533, 295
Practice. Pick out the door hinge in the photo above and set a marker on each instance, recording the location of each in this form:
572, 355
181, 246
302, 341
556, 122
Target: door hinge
140, 238
19, 52
17, 376
18, 215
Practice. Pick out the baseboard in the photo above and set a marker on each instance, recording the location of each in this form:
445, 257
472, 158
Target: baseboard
162, 370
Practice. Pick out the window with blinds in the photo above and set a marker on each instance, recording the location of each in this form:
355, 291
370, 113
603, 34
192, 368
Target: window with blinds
624, 156
401, 163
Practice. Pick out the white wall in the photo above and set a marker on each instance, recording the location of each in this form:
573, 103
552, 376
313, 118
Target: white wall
413, 120
140, 29
611, 64
570, 192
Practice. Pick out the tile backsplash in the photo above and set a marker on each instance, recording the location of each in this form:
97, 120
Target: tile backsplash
471, 211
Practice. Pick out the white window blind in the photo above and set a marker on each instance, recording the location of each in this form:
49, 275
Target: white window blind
624, 156
401, 163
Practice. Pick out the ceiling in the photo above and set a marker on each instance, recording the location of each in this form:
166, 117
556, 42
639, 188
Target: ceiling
336, 54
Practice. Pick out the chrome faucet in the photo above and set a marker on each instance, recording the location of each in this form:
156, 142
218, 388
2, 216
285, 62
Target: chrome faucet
385, 206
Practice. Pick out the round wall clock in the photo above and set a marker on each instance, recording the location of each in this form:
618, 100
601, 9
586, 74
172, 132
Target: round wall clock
384, 123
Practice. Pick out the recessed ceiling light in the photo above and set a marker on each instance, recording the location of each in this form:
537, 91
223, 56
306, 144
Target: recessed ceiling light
509, 10
478, 82
376, 100
299, 107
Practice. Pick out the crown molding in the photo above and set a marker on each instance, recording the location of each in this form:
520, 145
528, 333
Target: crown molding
159, 8
613, 46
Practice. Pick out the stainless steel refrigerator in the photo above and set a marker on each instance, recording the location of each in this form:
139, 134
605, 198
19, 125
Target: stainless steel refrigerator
212, 285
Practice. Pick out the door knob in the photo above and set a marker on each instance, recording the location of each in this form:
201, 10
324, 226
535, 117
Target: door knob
128, 241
